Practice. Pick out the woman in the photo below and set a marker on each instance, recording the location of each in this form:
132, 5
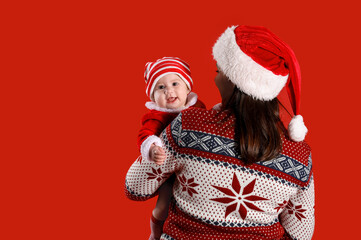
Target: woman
239, 173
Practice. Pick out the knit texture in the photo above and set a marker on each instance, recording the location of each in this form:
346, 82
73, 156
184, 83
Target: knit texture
216, 196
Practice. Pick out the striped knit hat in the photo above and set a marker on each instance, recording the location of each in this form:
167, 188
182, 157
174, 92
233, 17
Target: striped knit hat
260, 65
168, 65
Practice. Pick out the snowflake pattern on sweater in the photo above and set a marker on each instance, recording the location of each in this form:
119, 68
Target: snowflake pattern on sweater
216, 196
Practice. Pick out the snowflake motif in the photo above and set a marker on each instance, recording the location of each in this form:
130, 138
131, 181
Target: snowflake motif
293, 168
157, 174
224, 147
188, 185
275, 163
239, 198
178, 134
281, 205
199, 141
297, 210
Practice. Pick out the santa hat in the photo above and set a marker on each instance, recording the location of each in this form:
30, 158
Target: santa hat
168, 65
260, 65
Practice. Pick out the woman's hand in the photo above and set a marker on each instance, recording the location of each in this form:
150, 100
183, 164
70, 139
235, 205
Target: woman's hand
157, 154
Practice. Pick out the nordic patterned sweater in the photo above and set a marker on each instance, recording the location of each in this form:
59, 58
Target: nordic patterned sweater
216, 196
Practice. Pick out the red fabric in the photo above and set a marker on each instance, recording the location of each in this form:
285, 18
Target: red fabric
154, 122
199, 104
265, 48
179, 225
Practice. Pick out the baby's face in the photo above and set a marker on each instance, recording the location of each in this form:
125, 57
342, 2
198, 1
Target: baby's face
170, 92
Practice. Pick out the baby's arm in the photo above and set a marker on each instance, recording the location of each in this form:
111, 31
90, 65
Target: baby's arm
157, 154
148, 135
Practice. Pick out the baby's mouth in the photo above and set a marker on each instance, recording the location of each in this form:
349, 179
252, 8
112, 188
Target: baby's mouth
171, 99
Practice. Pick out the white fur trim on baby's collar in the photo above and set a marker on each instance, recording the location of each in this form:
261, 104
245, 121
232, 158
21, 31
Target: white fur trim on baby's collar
249, 76
297, 129
144, 148
192, 98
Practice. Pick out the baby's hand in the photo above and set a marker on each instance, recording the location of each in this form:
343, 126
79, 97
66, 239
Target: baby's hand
157, 154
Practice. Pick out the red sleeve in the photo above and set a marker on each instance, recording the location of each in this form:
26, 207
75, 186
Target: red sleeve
153, 123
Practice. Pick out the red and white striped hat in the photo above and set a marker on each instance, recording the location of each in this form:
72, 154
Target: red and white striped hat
167, 65
260, 65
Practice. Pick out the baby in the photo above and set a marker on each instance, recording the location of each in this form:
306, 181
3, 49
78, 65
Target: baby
168, 84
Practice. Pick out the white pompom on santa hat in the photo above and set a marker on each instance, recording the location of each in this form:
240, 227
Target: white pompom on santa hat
260, 65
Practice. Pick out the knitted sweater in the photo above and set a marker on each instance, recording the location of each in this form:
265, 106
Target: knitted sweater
216, 196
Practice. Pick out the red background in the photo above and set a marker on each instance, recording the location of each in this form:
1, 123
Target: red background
73, 93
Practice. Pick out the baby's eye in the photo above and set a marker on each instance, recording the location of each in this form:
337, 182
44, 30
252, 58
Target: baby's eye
175, 84
161, 87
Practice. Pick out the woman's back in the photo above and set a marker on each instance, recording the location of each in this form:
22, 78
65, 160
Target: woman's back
216, 196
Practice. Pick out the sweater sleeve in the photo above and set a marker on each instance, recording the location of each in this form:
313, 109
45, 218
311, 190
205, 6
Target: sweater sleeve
144, 177
298, 217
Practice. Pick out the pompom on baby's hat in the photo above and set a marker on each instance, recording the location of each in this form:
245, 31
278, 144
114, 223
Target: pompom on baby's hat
167, 65
260, 65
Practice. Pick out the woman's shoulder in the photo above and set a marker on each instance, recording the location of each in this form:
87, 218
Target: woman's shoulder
194, 114
202, 115
201, 110
300, 151
193, 110
208, 122
293, 165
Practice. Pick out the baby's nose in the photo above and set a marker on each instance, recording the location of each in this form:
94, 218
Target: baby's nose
168, 90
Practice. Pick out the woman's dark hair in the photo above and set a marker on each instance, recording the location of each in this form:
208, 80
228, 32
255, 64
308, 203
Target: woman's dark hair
257, 127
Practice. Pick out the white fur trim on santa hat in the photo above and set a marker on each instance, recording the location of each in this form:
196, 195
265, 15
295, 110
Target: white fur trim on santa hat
191, 100
249, 76
297, 129
144, 148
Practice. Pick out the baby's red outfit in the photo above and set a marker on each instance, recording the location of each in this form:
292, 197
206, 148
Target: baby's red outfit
157, 119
